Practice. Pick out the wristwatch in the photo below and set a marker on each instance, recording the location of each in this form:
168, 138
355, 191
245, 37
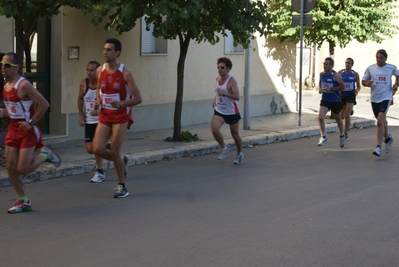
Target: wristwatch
32, 122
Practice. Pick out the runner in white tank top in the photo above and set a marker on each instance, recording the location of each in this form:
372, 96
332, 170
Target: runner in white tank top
88, 115
226, 109
225, 105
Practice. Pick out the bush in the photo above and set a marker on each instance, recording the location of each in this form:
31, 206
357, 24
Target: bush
186, 137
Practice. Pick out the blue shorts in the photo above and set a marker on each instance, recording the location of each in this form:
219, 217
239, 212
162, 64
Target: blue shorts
380, 107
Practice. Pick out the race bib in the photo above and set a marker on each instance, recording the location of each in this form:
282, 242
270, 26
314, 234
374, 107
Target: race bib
89, 105
108, 98
348, 87
15, 110
325, 86
381, 79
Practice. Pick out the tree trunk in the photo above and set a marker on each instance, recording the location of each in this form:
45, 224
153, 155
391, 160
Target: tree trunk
24, 28
180, 86
28, 58
331, 46
19, 39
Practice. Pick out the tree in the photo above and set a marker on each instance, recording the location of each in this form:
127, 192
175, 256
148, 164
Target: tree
187, 20
336, 22
25, 14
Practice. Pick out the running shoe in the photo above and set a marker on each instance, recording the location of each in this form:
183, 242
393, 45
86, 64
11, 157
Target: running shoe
125, 161
98, 178
121, 192
21, 206
388, 146
222, 155
346, 137
377, 151
322, 141
52, 157
342, 141
240, 156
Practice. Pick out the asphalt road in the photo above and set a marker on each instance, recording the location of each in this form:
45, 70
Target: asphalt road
289, 204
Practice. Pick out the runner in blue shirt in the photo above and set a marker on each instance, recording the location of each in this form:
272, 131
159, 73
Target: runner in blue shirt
329, 86
348, 95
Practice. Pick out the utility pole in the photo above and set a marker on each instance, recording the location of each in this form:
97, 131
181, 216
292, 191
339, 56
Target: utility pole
302, 7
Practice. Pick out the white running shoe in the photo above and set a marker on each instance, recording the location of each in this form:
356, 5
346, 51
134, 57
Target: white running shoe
222, 155
240, 156
52, 157
342, 140
322, 141
388, 146
98, 178
377, 151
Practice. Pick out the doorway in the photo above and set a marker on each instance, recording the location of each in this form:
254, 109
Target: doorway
37, 65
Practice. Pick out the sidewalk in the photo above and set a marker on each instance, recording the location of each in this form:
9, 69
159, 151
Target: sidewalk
150, 146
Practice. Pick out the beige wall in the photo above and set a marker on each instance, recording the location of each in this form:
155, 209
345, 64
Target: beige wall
155, 75
271, 78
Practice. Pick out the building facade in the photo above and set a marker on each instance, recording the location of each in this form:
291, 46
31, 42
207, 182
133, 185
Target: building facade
68, 41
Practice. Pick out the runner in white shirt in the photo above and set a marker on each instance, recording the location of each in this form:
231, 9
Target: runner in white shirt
379, 78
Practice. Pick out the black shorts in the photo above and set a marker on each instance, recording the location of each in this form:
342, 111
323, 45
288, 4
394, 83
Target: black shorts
229, 119
348, 98
380, 107
90, 130
335, 107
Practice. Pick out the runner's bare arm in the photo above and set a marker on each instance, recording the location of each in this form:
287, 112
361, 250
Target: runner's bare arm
358, 87
233, 91
97, 104
82, 89
338, 79
26, 91
134, 90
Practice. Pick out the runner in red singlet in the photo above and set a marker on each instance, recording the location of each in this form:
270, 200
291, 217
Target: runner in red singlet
116, 95
23, 137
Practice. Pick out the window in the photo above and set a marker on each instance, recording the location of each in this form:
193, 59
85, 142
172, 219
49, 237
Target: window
229, 47
151, 45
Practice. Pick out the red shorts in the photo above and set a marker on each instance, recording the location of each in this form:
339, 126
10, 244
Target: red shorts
108, 122
18, 138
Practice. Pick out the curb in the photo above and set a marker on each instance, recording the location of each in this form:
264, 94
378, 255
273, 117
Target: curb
46, 172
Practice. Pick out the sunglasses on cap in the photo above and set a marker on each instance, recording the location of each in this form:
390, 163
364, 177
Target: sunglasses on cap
7, 65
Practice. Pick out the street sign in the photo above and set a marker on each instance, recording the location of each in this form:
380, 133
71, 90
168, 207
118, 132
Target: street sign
307, 5
307, 20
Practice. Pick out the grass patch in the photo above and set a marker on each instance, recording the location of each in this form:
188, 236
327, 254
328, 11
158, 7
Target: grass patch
187, 137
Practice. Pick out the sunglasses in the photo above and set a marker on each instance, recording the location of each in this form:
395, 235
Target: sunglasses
221, 68
7, 65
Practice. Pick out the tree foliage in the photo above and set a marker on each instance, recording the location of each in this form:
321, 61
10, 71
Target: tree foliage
26, 14
336, 21
186, 20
